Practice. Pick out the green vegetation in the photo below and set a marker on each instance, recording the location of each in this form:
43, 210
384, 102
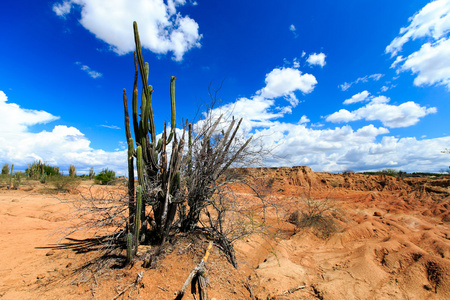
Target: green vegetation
105, 176
40, 171
5, 169
72, 171
176, 182
63, 184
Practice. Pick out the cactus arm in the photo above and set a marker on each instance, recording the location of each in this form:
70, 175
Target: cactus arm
135, 101
137, 224
129, 247
173, 109
140, 165
144, 76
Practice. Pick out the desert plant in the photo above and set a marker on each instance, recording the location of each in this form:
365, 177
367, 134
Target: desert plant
17, 180
91, 173
390, 172
72, 171
11, 176
37, 170
318, 215
105, 176
5, 169
62, 184
175, 181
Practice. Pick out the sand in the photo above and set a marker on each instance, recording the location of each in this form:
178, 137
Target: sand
391, 241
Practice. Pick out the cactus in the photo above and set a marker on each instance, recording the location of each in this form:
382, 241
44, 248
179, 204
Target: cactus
137, 224
72, 171
11, 176
167, 180
129, 247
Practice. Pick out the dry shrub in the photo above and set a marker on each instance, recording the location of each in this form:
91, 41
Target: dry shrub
63, 184
318, 215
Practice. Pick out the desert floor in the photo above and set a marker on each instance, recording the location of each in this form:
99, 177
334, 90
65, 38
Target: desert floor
391, 240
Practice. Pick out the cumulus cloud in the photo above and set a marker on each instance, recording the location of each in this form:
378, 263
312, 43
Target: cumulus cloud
162, 29
284, 82
340, 148
61, 146
431, 62
432, 20
304, 119
392, 116
363, 96
375, 77
14, 119
343, 148
316, 59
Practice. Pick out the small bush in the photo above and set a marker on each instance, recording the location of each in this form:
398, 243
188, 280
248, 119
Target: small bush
390, 172
317, 215
105, 176
63, 184
5, 169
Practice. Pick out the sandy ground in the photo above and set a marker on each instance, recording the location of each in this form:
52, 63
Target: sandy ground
392, 241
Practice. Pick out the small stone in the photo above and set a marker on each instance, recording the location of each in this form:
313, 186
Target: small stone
427, 287
69, 265
377, 214
50, 253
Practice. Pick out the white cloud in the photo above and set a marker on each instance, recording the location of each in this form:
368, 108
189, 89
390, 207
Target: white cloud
14, 119
284, 82
61, 146
161, 28
363, 96
403, 115
89, 71
304, 119
110, 126
294, 30
431, 63
317, 59
343, 148
346, 85
62, 9
432, 20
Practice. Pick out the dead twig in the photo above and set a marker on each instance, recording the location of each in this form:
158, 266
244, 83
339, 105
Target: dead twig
138, 280
249, 288
198, 271
294, 289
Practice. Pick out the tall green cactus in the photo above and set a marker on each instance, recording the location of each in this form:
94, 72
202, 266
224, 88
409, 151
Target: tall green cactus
72, 171
167, 180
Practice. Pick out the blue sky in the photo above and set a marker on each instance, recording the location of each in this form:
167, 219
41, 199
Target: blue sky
335, 85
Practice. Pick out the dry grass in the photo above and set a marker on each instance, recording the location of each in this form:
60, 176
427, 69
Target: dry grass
318, 215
